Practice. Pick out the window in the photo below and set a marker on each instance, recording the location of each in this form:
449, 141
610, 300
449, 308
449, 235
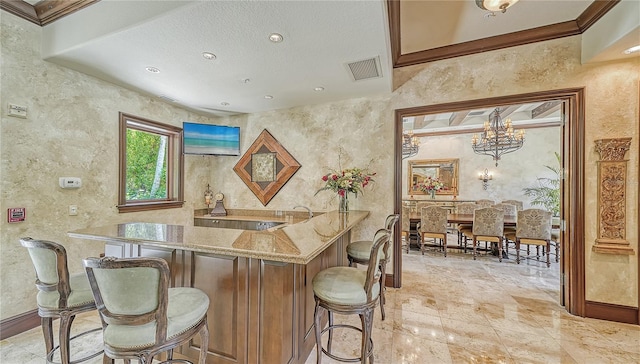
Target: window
151, 165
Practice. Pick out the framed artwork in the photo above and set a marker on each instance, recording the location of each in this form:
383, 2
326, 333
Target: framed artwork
265, 167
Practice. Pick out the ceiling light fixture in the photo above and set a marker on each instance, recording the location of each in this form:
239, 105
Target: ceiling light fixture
319, 89
495, 5
275, 37
209, 56
152, 69
632, 50
498, 138
268, 97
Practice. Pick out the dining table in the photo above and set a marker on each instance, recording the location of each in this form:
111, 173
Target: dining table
509, 220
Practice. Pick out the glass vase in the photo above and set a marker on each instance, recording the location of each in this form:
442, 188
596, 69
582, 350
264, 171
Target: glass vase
343, 205
433, 194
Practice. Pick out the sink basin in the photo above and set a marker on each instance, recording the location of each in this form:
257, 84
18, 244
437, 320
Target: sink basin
237, 224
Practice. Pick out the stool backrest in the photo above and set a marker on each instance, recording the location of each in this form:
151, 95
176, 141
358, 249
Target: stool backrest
390, 224
380, 244
50, 262
131, 291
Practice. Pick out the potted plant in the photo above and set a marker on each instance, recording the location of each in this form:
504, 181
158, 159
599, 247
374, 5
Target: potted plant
547, 192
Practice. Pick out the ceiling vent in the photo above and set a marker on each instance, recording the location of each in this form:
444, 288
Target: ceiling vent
367, 68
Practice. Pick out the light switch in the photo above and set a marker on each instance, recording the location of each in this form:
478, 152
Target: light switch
17, 111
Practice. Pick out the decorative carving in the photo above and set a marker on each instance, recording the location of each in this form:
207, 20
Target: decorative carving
612, 183
612, 149
265, 167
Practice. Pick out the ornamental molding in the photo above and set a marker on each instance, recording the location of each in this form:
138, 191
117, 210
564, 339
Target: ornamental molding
612, 186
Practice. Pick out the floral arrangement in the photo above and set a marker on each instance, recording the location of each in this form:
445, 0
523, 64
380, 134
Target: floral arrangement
347, 180
430, 184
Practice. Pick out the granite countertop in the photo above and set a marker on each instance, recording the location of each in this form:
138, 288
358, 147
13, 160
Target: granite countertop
295, 243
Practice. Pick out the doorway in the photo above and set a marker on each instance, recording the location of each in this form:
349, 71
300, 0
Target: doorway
571, 186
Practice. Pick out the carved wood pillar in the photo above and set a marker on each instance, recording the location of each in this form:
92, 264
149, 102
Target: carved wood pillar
612, 187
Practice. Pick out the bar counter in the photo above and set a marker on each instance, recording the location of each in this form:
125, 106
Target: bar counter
258, 282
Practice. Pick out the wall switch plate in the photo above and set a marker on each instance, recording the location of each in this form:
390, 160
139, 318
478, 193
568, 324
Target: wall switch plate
70, 182
73, 210
17, 111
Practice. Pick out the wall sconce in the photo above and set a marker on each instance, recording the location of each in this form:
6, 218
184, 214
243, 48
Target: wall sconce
485, 177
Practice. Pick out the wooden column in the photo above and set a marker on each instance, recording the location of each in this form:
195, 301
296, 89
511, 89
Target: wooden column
612, 187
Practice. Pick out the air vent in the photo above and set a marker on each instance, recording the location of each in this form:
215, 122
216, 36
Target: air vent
362, 70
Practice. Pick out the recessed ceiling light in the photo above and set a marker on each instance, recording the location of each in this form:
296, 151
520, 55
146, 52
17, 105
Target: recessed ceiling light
318, 89
209, 55
275, 37
246, 80
152, 69
632, 50
225, 103
268, 97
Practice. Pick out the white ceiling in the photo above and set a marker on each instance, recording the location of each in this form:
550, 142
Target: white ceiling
116, 40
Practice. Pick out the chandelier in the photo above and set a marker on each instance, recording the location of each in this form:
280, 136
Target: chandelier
498, 138
410, 144
495, 5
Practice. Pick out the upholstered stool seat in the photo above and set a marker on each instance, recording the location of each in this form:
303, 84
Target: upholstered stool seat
343, 286
349, 290
60, 296
359, 252
186, 307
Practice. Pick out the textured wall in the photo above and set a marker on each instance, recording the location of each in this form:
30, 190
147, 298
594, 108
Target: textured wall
514, 172
72, 130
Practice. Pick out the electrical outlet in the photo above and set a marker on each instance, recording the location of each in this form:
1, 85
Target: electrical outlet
73, 210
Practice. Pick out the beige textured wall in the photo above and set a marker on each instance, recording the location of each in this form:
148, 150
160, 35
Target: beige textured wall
72, 130
514, 172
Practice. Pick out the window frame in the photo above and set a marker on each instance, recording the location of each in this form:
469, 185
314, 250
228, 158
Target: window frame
175, 164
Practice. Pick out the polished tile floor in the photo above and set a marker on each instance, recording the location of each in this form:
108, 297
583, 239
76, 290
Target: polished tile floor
450, 310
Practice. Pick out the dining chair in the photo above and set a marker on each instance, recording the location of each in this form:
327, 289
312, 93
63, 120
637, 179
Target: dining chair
508, 210
61, 295
433, 224
464, 230
359, 252
533, 228
555, 241
348, 291
517, 203
141, 316
485, 203
488, 226
406, 227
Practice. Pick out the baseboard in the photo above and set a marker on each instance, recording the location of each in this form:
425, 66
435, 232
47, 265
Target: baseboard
19, 323
611, 312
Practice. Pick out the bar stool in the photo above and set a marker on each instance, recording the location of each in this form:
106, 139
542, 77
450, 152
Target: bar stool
346, 291
358, 252
60, 296
141, 316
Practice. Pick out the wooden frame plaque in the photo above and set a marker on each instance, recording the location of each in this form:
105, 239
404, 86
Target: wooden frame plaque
265, 167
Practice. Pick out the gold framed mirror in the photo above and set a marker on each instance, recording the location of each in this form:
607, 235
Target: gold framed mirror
444, 169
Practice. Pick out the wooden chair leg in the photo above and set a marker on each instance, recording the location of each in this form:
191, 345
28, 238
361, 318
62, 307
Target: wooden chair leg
204, 342
444, 245
500, 250
517, 251
474, 248
383, 277
47, 330
65, 331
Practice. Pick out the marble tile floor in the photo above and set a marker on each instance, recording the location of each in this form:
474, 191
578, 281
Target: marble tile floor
449, 310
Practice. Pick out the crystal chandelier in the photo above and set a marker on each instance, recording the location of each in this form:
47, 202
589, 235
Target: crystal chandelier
410, 144
498, 138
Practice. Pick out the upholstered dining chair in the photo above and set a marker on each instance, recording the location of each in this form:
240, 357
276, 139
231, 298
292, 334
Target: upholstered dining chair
507, 209
141, 316
406, 227
349, 291
464, 230
358, 252
488, 225
60, 295
517, 203
533, 228
433, 224
485, 203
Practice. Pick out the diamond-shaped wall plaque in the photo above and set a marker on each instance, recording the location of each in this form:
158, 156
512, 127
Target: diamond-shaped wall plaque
265, 167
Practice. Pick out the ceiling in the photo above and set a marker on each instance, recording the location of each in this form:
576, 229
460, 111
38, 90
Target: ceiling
117, 40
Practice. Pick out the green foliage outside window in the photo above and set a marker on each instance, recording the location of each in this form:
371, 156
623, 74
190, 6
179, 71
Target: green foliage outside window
547, 192
146, 166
